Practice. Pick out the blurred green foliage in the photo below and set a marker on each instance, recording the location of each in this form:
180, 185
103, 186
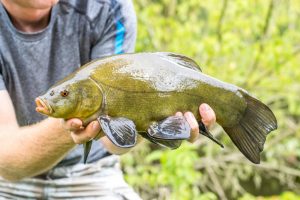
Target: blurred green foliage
253, 44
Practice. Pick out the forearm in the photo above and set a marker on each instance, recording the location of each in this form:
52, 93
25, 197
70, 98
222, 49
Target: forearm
31, 150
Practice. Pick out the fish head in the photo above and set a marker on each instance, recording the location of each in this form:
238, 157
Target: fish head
70, 99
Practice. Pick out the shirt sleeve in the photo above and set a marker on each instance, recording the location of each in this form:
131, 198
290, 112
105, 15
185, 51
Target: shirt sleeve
2, 84
119, 33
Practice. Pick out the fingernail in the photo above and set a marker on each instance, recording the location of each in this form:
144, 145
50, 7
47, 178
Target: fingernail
178, 114
204, 107
95, 126
189, 114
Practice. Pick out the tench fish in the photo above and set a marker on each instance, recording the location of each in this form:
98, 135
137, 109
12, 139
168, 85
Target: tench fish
132, 94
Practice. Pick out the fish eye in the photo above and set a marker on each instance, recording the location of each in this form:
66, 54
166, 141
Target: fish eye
64, 93
52, 93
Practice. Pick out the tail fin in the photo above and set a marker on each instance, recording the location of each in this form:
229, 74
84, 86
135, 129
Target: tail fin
249, 135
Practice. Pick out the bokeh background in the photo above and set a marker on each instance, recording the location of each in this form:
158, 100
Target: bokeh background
254, 44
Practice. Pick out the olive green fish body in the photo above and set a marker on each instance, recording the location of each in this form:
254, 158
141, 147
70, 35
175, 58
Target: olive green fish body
149, 87
145, 91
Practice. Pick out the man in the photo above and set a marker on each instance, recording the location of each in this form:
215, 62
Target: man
42, 41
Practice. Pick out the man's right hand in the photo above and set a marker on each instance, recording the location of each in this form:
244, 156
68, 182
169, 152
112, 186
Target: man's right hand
81, 134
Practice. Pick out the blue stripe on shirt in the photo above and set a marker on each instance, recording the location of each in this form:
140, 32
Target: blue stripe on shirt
120, 35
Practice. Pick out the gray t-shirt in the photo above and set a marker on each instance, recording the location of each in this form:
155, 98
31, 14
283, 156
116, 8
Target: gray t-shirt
78, 31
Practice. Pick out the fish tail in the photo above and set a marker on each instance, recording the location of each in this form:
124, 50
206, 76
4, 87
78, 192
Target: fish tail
249, 135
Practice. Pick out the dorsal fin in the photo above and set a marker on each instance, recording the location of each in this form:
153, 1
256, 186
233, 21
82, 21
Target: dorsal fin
181, 60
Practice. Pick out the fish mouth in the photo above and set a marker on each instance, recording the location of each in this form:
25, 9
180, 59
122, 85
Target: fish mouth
43, 107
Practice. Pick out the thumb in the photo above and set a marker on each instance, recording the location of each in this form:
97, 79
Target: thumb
72, 124
207, 114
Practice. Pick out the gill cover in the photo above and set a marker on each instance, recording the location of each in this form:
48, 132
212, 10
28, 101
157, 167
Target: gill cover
74, 99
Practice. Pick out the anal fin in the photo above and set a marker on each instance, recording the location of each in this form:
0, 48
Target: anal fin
204, 131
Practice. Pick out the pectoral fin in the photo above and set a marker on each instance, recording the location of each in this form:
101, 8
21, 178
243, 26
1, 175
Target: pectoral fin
121, 131
203, 130
172, 128
87, 148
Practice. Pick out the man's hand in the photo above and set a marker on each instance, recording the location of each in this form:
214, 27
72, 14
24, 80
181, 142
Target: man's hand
82, 134
208, 118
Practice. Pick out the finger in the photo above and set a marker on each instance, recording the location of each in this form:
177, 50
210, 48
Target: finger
87, 134
207, 114
72, 124
179, 114
190, 118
